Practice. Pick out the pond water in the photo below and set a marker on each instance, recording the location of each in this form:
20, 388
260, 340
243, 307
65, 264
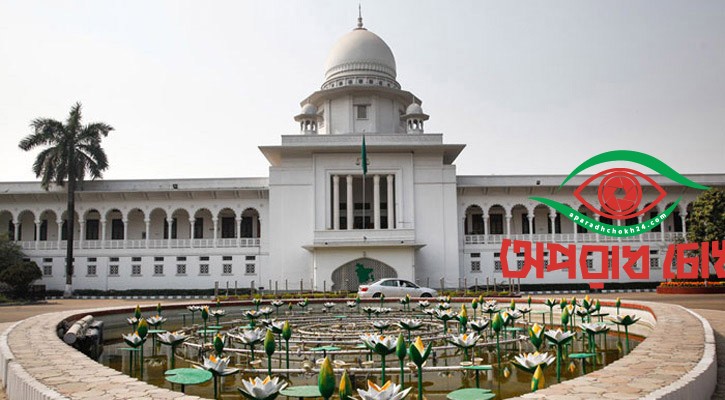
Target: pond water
342, 327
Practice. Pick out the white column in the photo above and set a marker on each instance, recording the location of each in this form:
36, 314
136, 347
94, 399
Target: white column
469, 223
191, 232
485, 228
663, 226
82, 235
683, 216
125, 233
573, 224
335, 202
376, 201
60, 231
350, 203
530, 217
255, 227
103, 233
148, 231
37, 233
552, 219
16, 226
238, 228
215, 220
169, 223
508, 226
391, 206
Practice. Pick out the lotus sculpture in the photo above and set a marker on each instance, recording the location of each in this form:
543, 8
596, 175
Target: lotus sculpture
625, 321
261, 389
389, 391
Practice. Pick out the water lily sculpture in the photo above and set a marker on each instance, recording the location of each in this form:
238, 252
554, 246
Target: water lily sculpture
381, 345
193, 310
401, 351
462, 319
445, 316
258, 389
381, 325
422, 304
218, 344
625, 321
389, 391
351, 304
479, 325
328, 305
444, 306
277, 304
418, 354
252, 316
345, 390
474, 306
251, 337
444, 299
266, 311
536, 335
410, 325
593, 329
156, 320
137, 340
530, 361
269, 348
326, 379
218, 366
405, 301
217, 313
303, 303
618, 303
464, 341
257, 302
551, 302
559, 338
369, 311
173, 340
537, 380
496, 324
382, 310
286, 335
382, 300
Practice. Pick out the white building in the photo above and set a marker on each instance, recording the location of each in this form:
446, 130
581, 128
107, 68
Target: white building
315, 218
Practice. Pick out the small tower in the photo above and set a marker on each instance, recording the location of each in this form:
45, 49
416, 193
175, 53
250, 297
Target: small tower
308, 119
414, 117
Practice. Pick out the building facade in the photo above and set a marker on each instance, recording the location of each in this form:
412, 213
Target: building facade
318, 219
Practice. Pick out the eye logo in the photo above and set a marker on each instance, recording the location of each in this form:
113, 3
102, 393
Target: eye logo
620, 193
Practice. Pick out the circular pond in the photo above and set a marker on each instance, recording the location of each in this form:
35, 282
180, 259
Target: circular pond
463, 355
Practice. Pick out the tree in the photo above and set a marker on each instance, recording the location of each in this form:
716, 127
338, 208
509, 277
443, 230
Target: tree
10, 253
70, 152
707, 218
20, 276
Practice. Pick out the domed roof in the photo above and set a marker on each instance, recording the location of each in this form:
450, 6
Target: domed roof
414, 108
360, 52
308, 109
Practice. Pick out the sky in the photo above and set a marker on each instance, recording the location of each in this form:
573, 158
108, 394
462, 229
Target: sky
193, 88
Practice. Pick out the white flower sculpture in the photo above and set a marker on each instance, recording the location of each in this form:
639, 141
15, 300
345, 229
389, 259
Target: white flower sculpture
258, 389
389, 391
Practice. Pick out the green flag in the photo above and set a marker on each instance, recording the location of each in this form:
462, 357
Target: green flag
364, 157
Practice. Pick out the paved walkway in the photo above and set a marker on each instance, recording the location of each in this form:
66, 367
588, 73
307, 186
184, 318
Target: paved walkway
717, 320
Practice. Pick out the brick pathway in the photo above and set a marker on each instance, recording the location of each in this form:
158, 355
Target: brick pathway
717, 320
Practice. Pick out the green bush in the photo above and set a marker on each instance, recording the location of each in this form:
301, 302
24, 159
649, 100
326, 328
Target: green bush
19, 276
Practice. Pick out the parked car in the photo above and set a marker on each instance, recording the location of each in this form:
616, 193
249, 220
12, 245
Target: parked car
392, 287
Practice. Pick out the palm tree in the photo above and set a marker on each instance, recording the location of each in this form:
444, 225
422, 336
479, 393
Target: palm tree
70, 152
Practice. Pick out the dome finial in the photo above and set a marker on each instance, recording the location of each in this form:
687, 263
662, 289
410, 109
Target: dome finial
359, 16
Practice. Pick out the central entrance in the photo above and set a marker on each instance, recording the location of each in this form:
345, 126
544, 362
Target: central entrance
360, 271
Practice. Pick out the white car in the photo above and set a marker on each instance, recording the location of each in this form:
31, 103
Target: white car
393, 287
